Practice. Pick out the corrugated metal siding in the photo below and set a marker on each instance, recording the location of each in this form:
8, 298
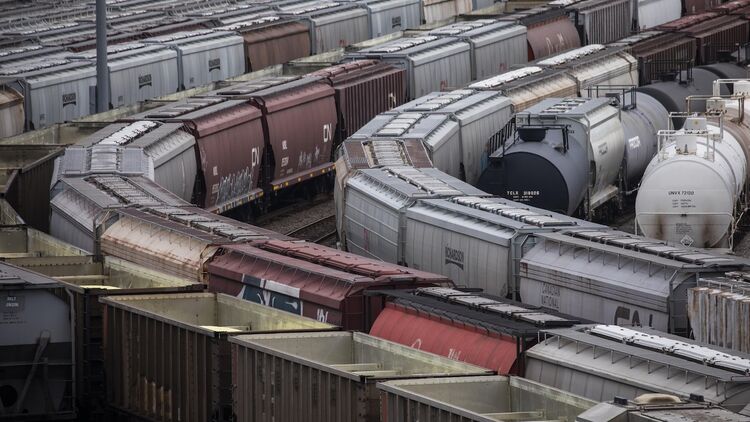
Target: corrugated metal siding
661, 54
432, 63
388, 16
439, 69
205, 56
653, 13
28, 171
58, 96
459, 247
438, 10
719, 37
524, 95
497, 53
363, 93
719, 312
552, 36
299, 121
604, 21
274, 44
174, 363
155, 74
336, 28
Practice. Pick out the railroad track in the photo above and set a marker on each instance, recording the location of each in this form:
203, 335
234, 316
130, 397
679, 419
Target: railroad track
318, 231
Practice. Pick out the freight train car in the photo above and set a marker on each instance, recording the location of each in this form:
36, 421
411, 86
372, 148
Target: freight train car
170, 152
431, 63
412, 216
38, 335
467, 326
698, 210
595, 65
81, 204
189, 333
549, 31
194, 235
618, 278
230, 142
345, 368
299, 118
270, 40
54, 91
480, 115
653, 406
311, 280
529, 85
25, 175
204, 56
584, 141
642, 361
496, 46
478, 399
719, 311
364, 88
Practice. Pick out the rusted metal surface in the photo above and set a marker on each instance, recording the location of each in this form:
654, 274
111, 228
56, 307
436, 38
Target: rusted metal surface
692, 7
167, 356
299, 122
311, 280
272, 40
550, 37
364, 89
175, 240
373, 153
327, 377
686, 22
25, 176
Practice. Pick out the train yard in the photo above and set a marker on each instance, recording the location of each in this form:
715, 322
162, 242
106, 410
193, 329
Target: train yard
375, 210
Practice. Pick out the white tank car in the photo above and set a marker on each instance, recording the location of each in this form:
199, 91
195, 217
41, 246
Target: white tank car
689, 190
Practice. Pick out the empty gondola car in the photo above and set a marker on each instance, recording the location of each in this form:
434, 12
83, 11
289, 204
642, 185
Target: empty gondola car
468, 326
478, 399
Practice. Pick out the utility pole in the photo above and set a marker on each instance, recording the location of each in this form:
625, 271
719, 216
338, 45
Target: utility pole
102, 74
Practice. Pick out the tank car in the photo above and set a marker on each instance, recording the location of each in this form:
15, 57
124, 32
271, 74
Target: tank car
690, 190
576, 155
